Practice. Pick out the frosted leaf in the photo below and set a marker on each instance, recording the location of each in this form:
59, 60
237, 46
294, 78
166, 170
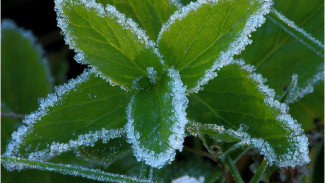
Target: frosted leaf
143, 53
44, 104
11, 25
188, 179
235, 47
300, 34
172, 121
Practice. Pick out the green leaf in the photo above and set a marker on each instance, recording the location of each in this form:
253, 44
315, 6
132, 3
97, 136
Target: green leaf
204, 36
156, 120
69, 170
106, 39
150, 15
278, 52
247, 111
309, 110
234, 170
24, 71
83, 111
259, 172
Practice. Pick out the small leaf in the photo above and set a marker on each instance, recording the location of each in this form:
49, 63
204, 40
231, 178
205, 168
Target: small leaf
247, 111
204, 36
275, 49
156, 121
64, 121
106, 39
24, 71
150, 15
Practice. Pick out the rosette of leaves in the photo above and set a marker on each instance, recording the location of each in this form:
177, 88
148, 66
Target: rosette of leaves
157, 68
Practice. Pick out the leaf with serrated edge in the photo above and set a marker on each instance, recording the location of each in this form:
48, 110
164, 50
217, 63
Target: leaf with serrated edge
247, 111
150, 15
290, 29
22, 66
196, 43
107, 40
156, 120
63, 121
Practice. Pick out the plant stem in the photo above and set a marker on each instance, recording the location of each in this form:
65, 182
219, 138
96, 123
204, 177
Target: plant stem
234, 170
259, 172
12, 163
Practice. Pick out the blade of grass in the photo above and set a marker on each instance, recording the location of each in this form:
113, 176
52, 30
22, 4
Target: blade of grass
259, 172
234, 170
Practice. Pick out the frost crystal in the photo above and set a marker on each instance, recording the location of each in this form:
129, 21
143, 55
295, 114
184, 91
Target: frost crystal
300, 92
298, 155
234, 48
109, 12
44, 105
83, 140
178, 127
11, 25
188, 179
152, 75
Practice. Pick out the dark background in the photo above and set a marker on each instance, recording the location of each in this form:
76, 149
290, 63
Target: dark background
39, 16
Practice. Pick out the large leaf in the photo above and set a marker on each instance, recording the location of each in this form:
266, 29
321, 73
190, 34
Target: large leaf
150, 15
156, 120
79, 113
309, 111
24, 71
106, 39
237, 107
278, 52
204, 36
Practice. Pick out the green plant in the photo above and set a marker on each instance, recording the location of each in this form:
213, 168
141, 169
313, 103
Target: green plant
184, 84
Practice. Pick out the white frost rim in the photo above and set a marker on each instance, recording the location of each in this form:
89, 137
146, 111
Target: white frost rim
44, 104
83, 140
178, 128
294, 131
298, 30
300, 92
28, 34
235, 48
111, 12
